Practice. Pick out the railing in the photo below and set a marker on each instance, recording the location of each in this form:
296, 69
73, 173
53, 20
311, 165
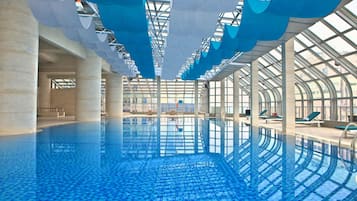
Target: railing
351, 154
185, 108
51, 111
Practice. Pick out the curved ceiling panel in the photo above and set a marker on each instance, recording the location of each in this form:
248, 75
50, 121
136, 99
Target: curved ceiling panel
128, 21
190, 22
298, 8
261, 21
63, 14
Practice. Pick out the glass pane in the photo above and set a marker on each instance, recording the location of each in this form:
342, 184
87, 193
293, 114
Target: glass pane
324, 89
352, 6
326, 70
263, 61
297, 46
312, 59
271, 95
319, 52
274, 70
327, 110
304, 40
340, 86
262, 75
337, 66
275, 54
272, 83
343, 109
340, 45
337, 22
353, 82
301, 74
322, 31
353, 59
352, 35
316, 93
297, 93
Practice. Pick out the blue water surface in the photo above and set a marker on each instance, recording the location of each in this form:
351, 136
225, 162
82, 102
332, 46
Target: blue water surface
172, 159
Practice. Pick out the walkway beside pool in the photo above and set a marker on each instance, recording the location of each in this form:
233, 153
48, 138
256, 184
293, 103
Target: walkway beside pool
329, 135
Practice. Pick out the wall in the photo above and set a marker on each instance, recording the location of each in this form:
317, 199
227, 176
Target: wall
64, 98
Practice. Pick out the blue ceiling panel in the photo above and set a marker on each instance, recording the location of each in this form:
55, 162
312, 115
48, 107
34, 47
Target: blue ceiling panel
261, 21
128, 21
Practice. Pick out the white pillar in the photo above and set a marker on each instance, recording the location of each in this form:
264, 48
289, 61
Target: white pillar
88, 79
288, 87
114, 98
19, 38
236, 96
44, 90
223, 94
204, 106
207, 94
158, 96
254, 96
288, 167
196, 98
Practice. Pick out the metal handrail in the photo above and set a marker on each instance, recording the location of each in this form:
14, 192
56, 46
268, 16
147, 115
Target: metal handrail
345, 131
352, 168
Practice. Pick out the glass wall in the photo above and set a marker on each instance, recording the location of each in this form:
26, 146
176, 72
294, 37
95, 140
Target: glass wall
325, 69
177, 96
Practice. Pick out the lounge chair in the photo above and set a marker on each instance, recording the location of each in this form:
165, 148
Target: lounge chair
310, 119
262, 114
307, 120
350, 128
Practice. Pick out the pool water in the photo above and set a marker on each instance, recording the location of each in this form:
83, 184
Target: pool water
172, 159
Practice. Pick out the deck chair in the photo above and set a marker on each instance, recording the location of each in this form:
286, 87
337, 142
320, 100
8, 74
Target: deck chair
350, 128
262, 114
310, 119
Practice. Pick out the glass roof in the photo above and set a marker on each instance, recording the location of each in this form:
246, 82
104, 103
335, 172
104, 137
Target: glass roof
330, 41
325, 63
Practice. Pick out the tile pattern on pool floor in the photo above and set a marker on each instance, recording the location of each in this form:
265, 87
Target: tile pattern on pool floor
181, 159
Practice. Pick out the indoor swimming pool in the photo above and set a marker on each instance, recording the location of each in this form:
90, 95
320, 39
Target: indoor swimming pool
172, 159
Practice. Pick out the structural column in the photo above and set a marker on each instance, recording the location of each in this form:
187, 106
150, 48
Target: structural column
196, 98
288, 167
158, 96
205, 100
19, 40
88, 79
236, 96
207, 114
44, 90
288, 87
114, 98
223, 96
254, 96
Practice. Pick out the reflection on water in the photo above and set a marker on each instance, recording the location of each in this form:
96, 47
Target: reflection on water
182, 159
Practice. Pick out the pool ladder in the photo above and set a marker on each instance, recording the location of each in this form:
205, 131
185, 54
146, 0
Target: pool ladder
352, 154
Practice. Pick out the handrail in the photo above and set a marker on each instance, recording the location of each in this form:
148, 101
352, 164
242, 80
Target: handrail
353, 167
345, 131
51, 109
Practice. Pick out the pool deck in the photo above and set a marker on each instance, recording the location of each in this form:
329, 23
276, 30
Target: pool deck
324, 134
48, 122
328, 135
